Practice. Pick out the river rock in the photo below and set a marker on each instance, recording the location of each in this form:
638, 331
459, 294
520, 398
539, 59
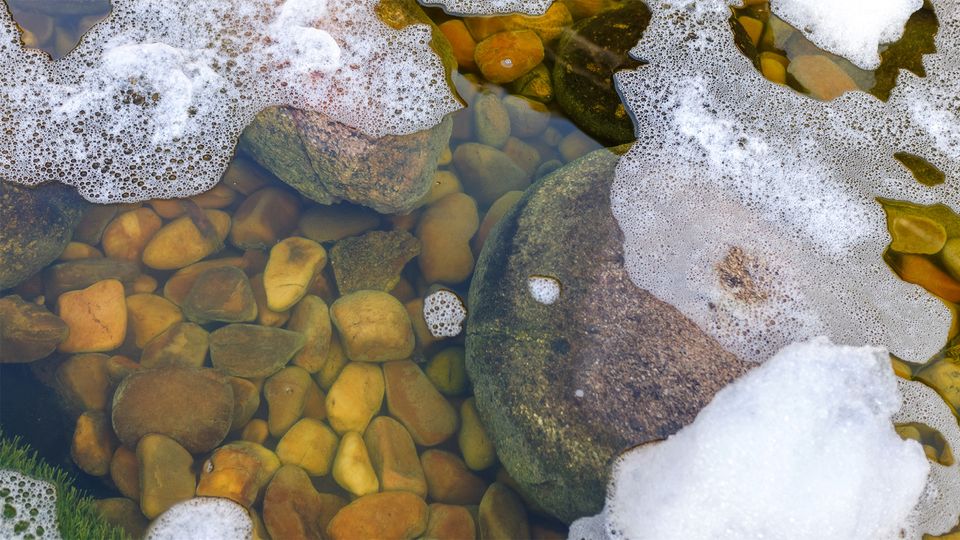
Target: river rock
191, 406
588, 55
28, 332
249, 350
564, 388
80, 274
37, 225
372, 261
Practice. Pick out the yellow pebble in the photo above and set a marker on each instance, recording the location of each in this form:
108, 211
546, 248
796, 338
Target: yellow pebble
352, 469
355, 397
310, 445
475, 444
149, 316
293, 264
179, 243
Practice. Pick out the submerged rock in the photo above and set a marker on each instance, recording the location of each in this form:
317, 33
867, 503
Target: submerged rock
37, 225
564, 388
588, 55
372, 261
28, 332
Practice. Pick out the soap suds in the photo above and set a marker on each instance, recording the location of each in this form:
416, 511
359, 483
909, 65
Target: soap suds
28, 507
727, 162
544, 289
854, 29
151, 102
490, 7
444, 313
202, 518
801, 446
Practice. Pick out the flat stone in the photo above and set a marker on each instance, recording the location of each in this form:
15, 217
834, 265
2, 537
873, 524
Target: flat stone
28, 332
221, 294
96, 317
372, 261
80, 274
412, 399
248, 350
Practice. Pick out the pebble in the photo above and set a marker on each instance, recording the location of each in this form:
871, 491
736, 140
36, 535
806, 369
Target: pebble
505, 56
28, 332
125, 472
311, 318
329, 223
414, 401
462, 42
220, 294
448, 522
475, 445
445, 230
166, 475
93, 443
246, 401
265, 315
394, 457
352, 469
355, 397
373, 327
96, 317
491, 123
536, 85
285, 393
820, 76
372, 261
184, 344
264, 217
444, 183
79, 250
950, 255
248, 350
493, 216
192, 406
310, 445
293, 264
255, 431
178, 286
180, 243
447, 371
391, 515
336, 361
528, 117
126, 236
237, 471
487, 173
502, 515
150, 315
577, 144
95, 219
524, 155
292, 507
79, 274
448, 479
83, 383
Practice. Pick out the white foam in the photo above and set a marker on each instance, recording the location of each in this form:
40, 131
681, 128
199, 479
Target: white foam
729, 166
490, 7
202, 518
33, 504
802, 447
940, 503
544, 289
152, 101
444, 313
854, 29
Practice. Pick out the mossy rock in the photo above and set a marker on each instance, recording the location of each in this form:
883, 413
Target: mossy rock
37, 224
588, 55
76, 515
564, 388
328, 161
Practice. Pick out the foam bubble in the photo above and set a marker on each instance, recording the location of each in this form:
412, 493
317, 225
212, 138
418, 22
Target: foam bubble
202, 518
490, 7
444, 313
753, 210
544, 289
29, 507
151, 102
802, 443
854, 29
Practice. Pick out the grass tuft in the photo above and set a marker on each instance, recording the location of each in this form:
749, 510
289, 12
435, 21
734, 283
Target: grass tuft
75, 512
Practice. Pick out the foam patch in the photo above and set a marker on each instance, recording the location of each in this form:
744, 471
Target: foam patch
29, 507
544, 289
490, 7
804, 441
152, 101
854, 29
202, 517
753, 210
444, 313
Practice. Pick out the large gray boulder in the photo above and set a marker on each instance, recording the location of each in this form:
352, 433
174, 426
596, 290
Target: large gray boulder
564, 388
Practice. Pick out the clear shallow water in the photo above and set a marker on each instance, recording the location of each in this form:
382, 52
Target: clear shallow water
560, 140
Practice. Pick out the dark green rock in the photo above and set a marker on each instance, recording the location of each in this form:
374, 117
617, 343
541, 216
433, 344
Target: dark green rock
372, 261
588, 55
221, 294
37, 223
249, 350
565, 388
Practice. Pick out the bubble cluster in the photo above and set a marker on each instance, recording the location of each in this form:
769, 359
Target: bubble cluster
544, 289
753, 209
202, 517
444, 313
940, 503
151, 102
29, 507
490, 7
804, 441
